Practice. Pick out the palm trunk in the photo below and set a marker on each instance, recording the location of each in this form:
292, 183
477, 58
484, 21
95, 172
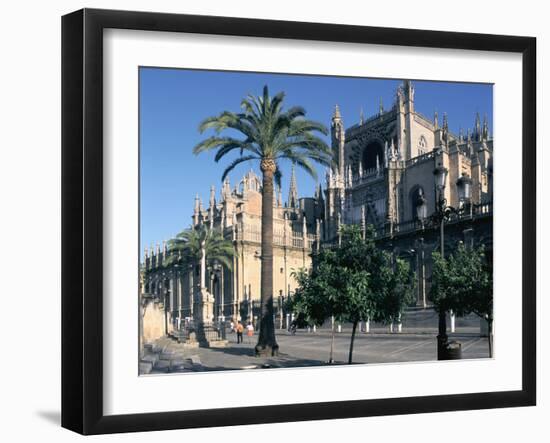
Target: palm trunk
267, 344
350, 357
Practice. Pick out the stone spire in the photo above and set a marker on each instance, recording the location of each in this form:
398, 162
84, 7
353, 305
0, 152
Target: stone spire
477, 128
338, 134
445, 128
319, 195
293, 191
381, 107
226, 189
485, 131
361, 116
469, 142
409, 96
436, 121
279, 197
212, 208
336, 115
196, 210
212, 196
409, 89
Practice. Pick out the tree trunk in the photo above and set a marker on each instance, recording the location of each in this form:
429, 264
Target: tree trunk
267, 344
350, 357
490, 336
442, 336
331, 358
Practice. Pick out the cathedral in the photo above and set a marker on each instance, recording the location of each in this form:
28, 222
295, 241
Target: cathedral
383, 175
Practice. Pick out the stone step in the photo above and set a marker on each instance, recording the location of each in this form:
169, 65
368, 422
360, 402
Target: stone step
150, 358
162, 366
145, 367
181, 365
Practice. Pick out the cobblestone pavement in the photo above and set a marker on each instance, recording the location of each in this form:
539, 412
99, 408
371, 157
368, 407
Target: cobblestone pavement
308, 349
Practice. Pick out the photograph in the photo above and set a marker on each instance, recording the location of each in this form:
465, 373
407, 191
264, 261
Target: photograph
236, 220
299, 220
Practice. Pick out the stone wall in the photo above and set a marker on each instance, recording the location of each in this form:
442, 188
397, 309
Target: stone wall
153, 321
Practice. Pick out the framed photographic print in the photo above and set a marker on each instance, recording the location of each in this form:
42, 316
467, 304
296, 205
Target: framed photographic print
269, 221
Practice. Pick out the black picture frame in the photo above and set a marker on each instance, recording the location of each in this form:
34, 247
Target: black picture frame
82, 218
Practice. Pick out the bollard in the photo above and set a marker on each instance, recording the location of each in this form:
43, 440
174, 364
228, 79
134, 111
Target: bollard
452, 322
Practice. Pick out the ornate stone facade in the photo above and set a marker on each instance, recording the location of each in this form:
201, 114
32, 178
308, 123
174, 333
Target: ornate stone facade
236, 291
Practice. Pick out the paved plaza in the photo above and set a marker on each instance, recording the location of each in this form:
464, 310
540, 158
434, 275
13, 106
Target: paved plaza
308, 348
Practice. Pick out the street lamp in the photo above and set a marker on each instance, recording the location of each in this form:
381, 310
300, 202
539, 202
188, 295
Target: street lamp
443, 213
464, 185
217, 271
440, 175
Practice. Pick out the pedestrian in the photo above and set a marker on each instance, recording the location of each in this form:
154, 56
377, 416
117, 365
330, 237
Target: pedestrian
232, 327
240, 330
249, 332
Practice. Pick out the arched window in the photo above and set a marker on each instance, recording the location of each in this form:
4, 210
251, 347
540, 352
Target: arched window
370, 153
422, 145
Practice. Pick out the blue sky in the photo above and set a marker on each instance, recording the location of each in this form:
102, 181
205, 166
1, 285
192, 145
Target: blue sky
174, 101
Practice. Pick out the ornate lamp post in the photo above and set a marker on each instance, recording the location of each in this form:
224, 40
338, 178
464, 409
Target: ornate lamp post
216, 270
421, 215
464, 185
442, 214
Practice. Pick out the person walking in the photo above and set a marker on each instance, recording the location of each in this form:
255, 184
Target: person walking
240, 329
249, 332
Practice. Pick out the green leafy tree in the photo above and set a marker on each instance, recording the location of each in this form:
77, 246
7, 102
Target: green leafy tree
317, 296
355, 282
267, 134
463, 283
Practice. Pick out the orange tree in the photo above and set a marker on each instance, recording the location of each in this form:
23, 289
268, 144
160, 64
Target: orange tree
355, 282
463, 283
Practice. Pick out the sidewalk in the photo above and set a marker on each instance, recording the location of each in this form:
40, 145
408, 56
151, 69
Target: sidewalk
306, 349
168, 356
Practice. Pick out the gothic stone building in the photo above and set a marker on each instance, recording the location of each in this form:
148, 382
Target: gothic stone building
384, 167
236, 291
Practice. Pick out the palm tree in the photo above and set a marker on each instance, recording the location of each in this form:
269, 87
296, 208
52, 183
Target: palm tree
201, 244
269, 135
